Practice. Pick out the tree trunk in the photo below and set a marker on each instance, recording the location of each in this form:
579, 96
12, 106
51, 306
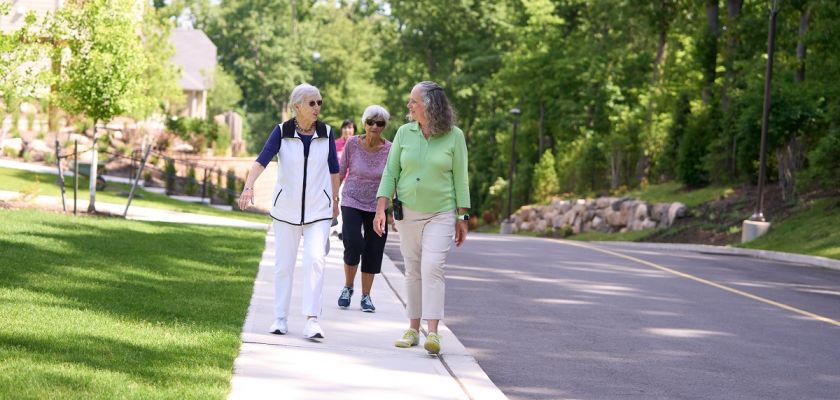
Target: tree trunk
789, 159
733, 8
615, 170
93, 161
790, 156
541, 131
804, 21
712, 10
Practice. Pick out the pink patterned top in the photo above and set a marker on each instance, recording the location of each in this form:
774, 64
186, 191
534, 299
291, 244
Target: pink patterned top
362, 171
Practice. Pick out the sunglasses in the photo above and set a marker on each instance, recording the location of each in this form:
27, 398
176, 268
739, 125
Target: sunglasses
371, 122
312, 103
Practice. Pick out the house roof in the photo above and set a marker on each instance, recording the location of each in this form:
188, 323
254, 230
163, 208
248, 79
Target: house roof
195, 53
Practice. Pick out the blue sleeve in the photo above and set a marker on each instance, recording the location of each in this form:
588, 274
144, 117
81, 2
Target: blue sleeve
333, 157
271, 147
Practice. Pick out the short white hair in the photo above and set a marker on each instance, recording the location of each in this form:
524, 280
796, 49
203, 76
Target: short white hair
375, 111
300, 92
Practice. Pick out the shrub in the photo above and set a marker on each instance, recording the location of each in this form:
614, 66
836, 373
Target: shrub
49, 157
169, 172
545, 178
147, 178
231, 186
192, 185
823, 168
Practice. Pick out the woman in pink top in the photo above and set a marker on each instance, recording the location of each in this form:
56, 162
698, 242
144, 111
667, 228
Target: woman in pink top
348, 129
361, 167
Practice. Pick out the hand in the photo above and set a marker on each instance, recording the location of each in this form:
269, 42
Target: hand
461, 229
246, 199
392, 223
335, 209
379, 223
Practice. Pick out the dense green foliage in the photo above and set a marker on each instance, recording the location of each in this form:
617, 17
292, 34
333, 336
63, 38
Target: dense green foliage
545, 178
620, 92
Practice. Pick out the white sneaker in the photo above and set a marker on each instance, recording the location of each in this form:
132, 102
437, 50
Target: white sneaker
312, 330
279, 327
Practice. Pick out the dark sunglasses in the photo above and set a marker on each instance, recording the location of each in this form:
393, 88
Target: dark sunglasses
371, 122
312, 103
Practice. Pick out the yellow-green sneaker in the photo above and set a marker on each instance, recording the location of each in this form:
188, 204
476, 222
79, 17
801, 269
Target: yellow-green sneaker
432, 344
411, 337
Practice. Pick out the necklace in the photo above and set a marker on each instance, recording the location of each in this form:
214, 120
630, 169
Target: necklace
307, 130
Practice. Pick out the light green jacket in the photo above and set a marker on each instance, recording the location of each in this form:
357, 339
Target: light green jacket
431, 174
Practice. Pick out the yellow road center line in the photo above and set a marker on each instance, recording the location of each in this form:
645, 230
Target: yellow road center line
708, 282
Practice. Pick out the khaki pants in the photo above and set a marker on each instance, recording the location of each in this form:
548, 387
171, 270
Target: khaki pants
425, 241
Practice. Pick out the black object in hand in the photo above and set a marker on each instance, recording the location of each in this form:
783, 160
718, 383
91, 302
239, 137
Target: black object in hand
398, 210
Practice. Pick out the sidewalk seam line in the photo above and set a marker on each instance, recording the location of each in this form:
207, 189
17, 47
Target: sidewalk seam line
440, 356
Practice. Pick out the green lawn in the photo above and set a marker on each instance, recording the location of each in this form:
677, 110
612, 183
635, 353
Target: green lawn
44, 184
813, 232
105, 308
674, 191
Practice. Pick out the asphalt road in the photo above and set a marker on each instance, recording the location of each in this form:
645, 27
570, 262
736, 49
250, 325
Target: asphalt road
566, 320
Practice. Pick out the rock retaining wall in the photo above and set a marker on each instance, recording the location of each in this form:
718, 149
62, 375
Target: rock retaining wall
604, 214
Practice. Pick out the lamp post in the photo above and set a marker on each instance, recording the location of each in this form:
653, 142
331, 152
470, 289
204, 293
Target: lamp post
757, 225
507, 224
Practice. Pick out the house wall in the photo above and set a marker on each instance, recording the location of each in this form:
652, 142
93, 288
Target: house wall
196, 106
14, 20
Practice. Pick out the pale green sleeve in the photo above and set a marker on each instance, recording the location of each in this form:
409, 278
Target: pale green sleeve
391, 174
459, 171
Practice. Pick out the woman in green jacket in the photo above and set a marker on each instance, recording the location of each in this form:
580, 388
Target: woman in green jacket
427, 168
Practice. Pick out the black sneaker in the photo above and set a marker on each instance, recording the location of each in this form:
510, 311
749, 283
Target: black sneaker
344, 297
367, 305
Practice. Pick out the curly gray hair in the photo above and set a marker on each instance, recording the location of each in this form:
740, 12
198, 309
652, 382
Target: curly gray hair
439, 113
301, 92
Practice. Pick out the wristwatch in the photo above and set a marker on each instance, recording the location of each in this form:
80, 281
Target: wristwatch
464, 217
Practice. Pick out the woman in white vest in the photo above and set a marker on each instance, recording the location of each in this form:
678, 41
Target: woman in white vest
304, 204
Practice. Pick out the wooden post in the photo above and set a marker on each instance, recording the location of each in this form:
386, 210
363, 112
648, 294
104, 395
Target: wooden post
137, 178
75, 173
93, 165
204, 186
60, 175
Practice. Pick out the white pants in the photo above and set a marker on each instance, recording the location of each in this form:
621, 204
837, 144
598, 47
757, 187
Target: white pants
286, 241
425, 241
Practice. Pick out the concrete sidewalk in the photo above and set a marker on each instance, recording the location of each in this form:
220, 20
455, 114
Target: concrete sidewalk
143, 213
357, 358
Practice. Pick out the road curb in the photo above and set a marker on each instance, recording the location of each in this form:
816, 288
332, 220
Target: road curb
809, 261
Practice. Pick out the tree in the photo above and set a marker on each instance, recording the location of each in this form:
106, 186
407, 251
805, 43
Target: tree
102, 76
259, 43
158, 84
22, 74
225, 94
545, 178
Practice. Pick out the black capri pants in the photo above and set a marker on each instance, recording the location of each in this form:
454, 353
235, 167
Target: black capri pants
361, 241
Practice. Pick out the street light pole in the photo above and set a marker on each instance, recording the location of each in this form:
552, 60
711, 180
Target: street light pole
757, 225
507, 224
768, 78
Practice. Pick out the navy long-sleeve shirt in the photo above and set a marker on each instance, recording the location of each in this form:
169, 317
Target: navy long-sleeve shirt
272, 146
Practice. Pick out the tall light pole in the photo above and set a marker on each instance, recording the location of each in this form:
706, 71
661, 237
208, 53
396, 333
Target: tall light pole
757, 225
507, 224
768, 78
